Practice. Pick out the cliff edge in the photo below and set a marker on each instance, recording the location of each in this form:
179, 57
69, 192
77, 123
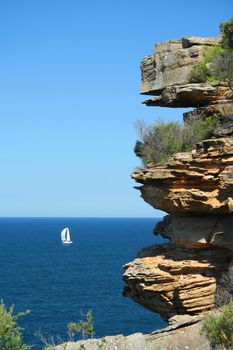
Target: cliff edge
195, 188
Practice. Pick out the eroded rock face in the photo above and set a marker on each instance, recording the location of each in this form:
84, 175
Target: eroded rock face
197, 183
171, 63
196, 188
198, 232
171, 280
192, 95
167, 76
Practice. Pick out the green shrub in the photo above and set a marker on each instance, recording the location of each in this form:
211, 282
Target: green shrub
219, 327
227, 34
83, 329
222, 67
204, 71
159, 141
162, 140
199, 73
224, 290
86, 328
197, 130
217, 62
10, 332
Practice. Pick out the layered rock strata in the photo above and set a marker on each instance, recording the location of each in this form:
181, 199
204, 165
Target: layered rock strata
198, 182
167, 75
198, 232
171, 63
171, 280
195, 188
193, 95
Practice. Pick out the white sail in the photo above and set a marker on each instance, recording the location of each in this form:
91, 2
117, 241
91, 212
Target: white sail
63, 234
67, 235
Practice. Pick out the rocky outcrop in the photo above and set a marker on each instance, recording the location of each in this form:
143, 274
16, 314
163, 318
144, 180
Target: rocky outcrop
183, 332
197, 183
167, 76
198, 232
171, 280
196, 188
193, 95
171, 63
135, 341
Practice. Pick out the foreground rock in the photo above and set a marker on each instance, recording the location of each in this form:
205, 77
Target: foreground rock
135, 341
197, 183
171, 281
188, 337
184, 334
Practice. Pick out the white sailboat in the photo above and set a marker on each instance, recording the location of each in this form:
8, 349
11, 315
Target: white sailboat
65, 236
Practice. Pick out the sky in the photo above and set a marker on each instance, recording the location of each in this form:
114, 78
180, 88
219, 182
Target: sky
69, 99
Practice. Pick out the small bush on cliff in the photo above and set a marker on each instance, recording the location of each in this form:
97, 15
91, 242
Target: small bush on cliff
158, 142
227, 34
161, 141
222, 67
224, 290
10, 332
219, 327
86, 328
203, 71
82, 330
217, 62
198, 130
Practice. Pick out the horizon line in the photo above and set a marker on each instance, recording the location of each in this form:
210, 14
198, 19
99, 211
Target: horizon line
81, 217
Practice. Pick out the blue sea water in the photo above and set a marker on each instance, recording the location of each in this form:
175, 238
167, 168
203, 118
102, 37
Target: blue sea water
57, 283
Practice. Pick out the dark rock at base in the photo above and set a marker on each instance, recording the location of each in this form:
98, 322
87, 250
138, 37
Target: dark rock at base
224, 127
197, 232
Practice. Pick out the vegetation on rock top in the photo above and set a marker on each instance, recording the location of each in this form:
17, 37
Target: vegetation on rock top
161, 141
217, 62
219, 327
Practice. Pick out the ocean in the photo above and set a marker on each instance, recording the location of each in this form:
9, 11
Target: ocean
59, 284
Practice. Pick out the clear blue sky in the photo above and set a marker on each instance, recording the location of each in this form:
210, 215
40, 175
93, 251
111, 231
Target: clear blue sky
69, 97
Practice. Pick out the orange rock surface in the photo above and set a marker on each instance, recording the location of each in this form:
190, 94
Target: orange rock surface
172, 281
199, 182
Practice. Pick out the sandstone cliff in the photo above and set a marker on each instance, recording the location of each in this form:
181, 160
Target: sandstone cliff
166, 75
195, 188
199, 182
179, 279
